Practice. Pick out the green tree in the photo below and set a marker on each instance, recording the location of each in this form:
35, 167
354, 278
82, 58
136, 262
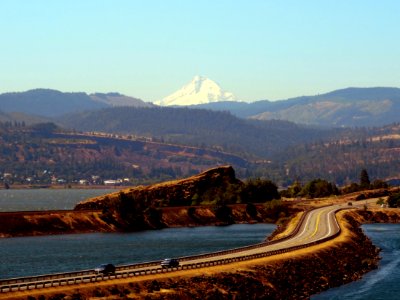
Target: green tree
319, 188
379, 184
259, 190
394, 200
353, 187
292, 190
364, 179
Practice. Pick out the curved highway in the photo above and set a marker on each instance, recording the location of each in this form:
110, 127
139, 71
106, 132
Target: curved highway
316, 226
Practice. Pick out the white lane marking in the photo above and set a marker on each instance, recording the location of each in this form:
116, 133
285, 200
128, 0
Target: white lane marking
305, 224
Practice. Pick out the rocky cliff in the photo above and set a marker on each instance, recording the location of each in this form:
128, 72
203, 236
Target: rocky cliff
171, 193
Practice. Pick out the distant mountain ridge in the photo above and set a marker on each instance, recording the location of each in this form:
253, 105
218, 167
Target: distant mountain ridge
53, 103
117, 99
350, 107
200, 90
345, 107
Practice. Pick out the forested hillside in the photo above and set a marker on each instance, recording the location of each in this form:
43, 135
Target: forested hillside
53, 103
45, 154
346, 107
197, 127
341, 160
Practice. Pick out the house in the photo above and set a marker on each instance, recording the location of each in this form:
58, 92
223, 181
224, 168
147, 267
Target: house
112, 182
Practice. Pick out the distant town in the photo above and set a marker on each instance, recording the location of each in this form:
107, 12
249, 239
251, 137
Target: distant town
49, 179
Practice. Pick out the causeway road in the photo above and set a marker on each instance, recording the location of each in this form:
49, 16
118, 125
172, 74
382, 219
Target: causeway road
317, 225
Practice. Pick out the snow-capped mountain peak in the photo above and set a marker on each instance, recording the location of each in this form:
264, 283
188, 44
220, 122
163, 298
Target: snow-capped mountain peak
200, 90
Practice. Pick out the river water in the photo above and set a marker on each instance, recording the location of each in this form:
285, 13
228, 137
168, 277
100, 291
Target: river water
45, 199
382, 283
61, 253
26, 256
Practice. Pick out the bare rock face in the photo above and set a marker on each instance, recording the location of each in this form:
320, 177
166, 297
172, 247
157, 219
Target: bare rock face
171, 193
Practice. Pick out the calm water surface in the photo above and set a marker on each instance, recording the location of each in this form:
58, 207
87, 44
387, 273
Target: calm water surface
45, 199
380, 284
61, 253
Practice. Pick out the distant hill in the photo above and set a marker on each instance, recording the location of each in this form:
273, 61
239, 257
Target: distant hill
341, 159
117, 99
351, 107
44, 153
52, 103
18, 117
196, 127
239, 109
347, 107
277, 150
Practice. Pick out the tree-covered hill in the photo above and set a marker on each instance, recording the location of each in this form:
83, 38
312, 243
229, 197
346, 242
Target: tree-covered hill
53, 103
340, 160
197, 127
346, 107
44, 153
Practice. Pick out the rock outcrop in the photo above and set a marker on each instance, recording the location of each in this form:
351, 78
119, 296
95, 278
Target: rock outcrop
171, 193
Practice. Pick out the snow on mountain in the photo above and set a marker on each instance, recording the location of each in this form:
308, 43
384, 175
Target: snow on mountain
200, 90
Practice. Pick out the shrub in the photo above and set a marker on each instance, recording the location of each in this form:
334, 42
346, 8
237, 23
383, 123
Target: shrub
380, 201
251, 210
259, 190
354, 187
394, 200
379, 184
224, 213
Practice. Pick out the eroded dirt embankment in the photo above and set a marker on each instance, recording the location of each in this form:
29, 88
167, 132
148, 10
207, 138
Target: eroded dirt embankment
51, 222
64, 222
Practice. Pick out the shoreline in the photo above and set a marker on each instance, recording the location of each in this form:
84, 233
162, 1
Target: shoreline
63, 187
294, 275
41, 223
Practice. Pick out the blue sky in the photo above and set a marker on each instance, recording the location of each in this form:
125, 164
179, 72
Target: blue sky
257, 49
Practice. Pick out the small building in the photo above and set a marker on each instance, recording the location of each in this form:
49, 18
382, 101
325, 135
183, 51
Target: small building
111, 182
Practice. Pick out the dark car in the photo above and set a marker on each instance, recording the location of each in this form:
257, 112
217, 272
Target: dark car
170, 263
105, 269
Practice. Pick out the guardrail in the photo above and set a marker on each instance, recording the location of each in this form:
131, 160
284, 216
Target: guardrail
151, 263
88, 276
